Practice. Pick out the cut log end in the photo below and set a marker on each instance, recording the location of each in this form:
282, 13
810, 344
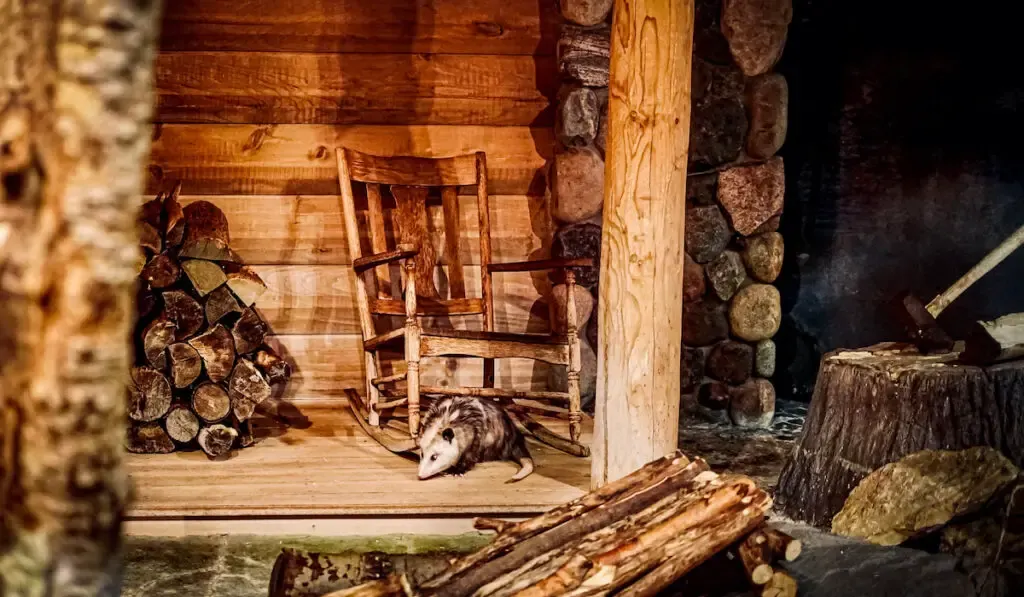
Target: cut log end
161, 271
216, 440
182, 425
156, 337
148, 438
273, 366
185, 312
149, 395
211, 402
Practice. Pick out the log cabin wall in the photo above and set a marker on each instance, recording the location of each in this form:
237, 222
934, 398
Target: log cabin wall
254, 97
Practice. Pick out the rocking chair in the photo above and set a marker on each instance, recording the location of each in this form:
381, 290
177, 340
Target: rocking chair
412, 294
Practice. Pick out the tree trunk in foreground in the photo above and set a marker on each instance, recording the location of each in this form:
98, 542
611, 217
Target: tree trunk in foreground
75, 101
877, 405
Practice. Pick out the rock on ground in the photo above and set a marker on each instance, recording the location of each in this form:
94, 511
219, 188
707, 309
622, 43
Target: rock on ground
922, 492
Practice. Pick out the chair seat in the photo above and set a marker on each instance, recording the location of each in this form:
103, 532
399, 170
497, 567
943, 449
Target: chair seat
483, 336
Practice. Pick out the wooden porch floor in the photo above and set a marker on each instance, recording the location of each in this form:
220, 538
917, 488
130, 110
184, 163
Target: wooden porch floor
328, 468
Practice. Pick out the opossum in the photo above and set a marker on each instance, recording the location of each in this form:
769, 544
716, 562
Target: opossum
460, 432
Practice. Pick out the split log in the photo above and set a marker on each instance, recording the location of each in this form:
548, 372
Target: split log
584, 55
161, 271
149, 237
313, 574
211, 402
781, 545
247, 389
173, 219
920, 401
273, 366
148, 438
145, 301
216, 440
151, 213
781, 585
246, 437
993, 341
182, 424
617, 491
754, 556
217, 350
185, 364
150, 395
249, 332
156, 337
472, 579
206, 234
185, 312
246, 284
206, 276
220, 303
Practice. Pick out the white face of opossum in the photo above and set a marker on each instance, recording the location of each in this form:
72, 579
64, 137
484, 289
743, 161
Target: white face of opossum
440, 451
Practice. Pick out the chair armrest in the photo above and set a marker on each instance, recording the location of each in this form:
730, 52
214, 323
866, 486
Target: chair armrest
402, 252
542, 264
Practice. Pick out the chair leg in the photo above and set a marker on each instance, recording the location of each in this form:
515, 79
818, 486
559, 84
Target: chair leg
372, 393
575, 362
412, 361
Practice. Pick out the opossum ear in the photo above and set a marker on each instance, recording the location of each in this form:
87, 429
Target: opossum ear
448, 435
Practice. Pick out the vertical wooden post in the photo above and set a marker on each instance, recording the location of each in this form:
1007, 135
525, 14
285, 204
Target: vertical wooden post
76, 95
640, 308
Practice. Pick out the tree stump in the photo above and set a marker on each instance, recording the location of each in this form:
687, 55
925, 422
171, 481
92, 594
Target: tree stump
877, 405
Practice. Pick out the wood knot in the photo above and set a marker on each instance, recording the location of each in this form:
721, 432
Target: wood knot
320, 153
256, 139
489, 28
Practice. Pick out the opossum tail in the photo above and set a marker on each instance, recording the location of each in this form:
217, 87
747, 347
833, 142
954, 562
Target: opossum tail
526, 467
521, 455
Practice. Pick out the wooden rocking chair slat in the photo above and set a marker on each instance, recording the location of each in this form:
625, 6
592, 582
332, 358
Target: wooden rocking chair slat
379, 381
540, 264
382, 435
364, 263
430, 307
377, 342
444, 346
496, 393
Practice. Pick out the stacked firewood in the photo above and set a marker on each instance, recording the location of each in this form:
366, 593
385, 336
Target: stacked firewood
635, 536
202, 366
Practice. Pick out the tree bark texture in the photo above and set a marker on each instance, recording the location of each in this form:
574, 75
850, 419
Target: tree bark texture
877, 405
642, 252
75, 101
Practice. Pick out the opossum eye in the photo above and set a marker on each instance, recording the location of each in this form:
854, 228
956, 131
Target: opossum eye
448, 435
434, 457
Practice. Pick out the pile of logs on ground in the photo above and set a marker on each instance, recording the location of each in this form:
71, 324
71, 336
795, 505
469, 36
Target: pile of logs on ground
635, 536
202, 366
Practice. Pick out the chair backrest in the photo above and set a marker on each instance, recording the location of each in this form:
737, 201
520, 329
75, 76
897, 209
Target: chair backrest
413, 184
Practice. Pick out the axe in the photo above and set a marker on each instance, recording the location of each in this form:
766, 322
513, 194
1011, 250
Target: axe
920, 319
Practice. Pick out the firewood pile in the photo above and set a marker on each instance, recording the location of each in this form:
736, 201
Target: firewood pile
201, 364
635, 536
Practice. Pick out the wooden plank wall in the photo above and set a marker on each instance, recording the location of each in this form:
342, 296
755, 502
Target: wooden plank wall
254, 96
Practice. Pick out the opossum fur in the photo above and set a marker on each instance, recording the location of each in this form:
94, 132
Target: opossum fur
459, 432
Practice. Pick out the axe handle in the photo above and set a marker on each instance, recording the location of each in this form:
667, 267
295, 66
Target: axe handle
991, 260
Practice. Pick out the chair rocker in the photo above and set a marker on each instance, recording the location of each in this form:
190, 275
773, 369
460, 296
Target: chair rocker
395, 280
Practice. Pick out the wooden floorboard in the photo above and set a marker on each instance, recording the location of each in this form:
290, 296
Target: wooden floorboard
331, 468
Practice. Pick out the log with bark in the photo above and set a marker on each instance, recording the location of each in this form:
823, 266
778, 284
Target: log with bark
876, 405
635, 536
202, 364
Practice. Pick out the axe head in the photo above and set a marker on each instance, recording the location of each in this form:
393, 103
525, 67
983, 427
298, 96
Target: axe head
920, 327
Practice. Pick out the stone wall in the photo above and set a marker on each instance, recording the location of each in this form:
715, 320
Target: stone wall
734, 194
